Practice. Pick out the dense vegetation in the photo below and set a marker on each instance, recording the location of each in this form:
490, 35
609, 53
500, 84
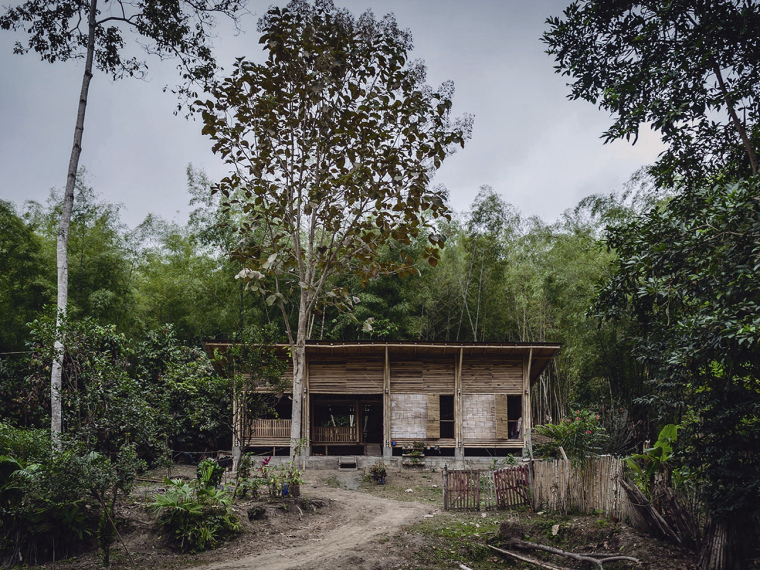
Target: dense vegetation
653, 291
161, 287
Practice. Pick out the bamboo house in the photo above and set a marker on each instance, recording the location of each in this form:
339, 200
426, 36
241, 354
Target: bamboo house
377, 398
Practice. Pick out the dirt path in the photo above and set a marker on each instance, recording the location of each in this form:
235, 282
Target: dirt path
357, 535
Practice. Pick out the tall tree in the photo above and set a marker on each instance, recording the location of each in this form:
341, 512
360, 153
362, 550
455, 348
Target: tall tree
689, 69
93, 30
333, 142
687, 276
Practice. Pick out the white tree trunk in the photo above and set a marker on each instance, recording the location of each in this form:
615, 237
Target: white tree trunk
299, 363
56, 422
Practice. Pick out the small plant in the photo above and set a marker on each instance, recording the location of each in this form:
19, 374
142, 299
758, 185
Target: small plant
644, 466
415, 449
247, 481
293, 475
507, 461
209, 473
378, 472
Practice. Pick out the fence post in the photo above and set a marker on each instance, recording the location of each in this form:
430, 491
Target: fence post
445, 487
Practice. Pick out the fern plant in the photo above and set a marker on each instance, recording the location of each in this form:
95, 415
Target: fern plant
194, 517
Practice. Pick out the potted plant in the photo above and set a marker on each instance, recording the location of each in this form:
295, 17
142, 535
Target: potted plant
377, 473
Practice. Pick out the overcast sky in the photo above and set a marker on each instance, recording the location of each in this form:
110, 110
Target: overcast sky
540, 151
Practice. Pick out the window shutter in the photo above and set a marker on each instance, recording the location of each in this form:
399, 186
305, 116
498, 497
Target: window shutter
502, 426
433, 429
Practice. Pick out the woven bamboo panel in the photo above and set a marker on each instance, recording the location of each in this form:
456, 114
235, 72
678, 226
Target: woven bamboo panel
362, 375
492, 375
423, 376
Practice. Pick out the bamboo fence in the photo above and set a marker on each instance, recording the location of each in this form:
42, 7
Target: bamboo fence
593, 487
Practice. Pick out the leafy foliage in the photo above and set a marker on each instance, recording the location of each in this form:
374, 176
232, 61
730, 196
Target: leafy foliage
104, 407
689, 69
580, 437
195, 517
688, 275
655, 459
60, 31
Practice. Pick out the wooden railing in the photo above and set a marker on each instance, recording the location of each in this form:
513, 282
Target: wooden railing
270, 428
333, 434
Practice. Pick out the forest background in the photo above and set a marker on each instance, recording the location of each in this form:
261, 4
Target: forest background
502, 277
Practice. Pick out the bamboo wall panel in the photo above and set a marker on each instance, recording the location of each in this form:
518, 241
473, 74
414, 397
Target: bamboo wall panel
423, 376
486, 375
362, 375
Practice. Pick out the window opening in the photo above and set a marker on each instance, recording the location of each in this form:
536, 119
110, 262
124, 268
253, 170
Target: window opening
447, 417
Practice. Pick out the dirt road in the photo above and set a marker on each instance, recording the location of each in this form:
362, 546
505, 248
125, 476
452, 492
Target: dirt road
357, 535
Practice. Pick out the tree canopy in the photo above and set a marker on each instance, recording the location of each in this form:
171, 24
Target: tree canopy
332, 141
691, 70
84, 29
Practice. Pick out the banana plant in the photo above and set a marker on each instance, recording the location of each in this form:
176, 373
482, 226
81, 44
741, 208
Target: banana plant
653, 459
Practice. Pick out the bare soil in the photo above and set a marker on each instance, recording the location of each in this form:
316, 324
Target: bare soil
343, 522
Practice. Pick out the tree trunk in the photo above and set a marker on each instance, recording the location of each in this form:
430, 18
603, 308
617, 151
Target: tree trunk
735, 119
56, 422
299, 364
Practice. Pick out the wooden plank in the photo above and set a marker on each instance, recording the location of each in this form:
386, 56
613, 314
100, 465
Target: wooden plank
352, 375
433, 424
386, 400
423, 376
458, 397
502, 423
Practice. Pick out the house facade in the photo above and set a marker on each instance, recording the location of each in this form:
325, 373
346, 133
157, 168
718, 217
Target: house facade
375, 398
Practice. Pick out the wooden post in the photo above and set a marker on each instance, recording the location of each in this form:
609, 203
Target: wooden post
306, 426
237, 449
387, 450
527, 417
458, 439
445, 487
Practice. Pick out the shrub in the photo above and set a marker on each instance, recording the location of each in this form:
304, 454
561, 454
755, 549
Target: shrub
194, 517
581, 436
209, 473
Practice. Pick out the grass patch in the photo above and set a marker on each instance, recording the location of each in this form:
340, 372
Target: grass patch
454, 538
